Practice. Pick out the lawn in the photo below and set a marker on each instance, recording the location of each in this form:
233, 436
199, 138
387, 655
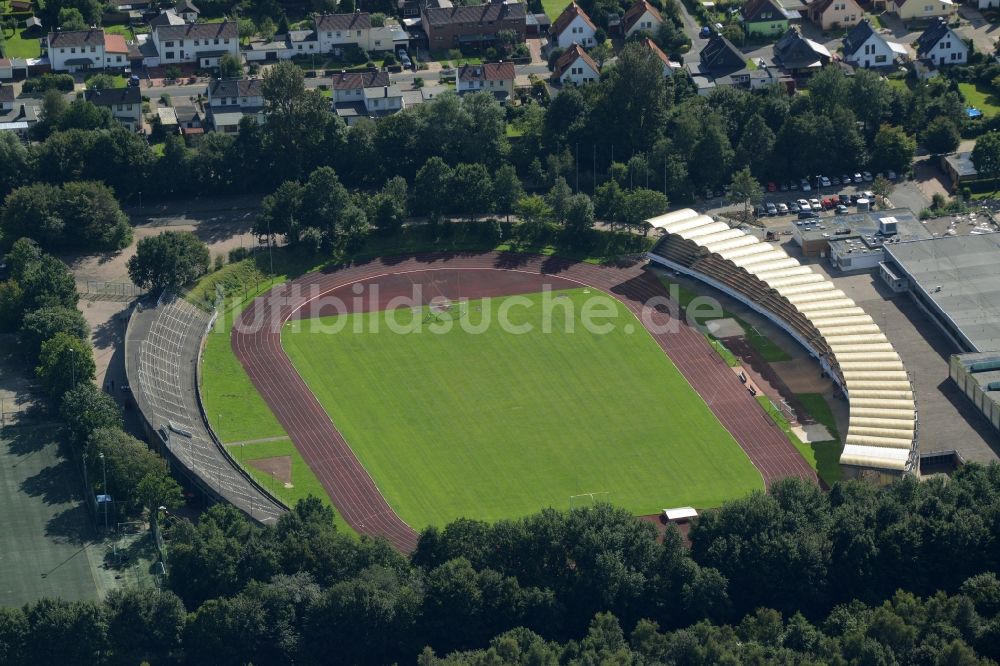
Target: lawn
496, 424
553, 8
304, 482
120, 29
981, 97
17, 46
824, 457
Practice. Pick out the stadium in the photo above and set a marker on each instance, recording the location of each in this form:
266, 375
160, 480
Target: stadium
403, 432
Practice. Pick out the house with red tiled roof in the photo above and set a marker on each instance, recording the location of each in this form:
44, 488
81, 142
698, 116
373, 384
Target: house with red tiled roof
576, 67
6, 70
573, 25
115, 50
669, 66
641, 16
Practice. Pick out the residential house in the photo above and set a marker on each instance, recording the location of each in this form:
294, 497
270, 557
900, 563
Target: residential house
365, 95
20, 6
229, 101
115, 51
798, 55
6, 98
187, 10
188, 120
449, 27
641, 16
834, 14
576, 67
6, 70
940, 45
33, 26
669, 67
166, 17
864, 47
76, 50
339, 31
722, 64
764, 18
573, 26
917, 10
494, 77
719, 57
125, 104
199, 43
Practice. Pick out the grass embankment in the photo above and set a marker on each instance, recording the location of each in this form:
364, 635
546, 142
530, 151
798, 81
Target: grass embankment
824, 457
496, 424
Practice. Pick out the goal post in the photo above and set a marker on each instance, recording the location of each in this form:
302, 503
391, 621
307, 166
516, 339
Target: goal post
584, 500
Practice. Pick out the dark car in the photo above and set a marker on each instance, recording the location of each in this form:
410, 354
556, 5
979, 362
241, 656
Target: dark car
705, 32
842, 210
845, 199
808, 214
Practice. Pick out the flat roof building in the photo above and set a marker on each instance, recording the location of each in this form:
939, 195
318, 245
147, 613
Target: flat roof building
955, 280
854, 241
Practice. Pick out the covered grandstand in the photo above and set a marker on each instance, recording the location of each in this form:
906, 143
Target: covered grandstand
881, 439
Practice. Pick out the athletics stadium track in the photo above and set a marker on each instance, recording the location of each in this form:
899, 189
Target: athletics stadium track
256, 343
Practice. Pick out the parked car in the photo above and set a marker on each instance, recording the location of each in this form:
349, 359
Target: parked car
868, 194
783, 187
828, 202
793, 207
890, 174
842, 210
782, 209
793, 185
835, 181
806, 187
803, 204
760, 211
771, 187
815, 204
858, 178
772, 210
808, 215
705, 32
845, 199
845, 179
824, 181
867, 176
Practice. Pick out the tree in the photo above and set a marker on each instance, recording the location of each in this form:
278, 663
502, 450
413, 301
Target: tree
127, 462
230, 66
87, 408
33, 211
941, 136
70, 18
471, 189
388, 207
172, 259
642, 204
507, 190
101, 82
579, 214
96, 218
432, 187
882, 187
893, 149
14, 168
558, 199
534, 213
296, 119
745, 189
63, 362
158, 489
279, 213
39, 325
144, 625
986, 155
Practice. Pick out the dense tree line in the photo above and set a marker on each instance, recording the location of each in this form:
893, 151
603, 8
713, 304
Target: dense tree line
902, 574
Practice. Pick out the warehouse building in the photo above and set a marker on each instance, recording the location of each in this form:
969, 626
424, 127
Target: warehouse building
855, 241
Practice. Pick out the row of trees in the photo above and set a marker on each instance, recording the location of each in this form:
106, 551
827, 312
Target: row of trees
903, 574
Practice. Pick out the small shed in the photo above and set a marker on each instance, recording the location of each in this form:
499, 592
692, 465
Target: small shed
680, 514
33, 25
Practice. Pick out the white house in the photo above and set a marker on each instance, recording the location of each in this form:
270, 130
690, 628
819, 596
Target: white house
199, 43
81, 50
6, 70
573, 26
229, 101
940, 45
359, 95
338, 31
576, 67
641, 16
125, 104
188, 11
864, 47
493, 77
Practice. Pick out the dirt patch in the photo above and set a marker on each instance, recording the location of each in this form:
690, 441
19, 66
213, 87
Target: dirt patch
279, 467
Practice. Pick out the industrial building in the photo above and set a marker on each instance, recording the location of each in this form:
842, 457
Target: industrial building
955, 280
854, 242
978, 375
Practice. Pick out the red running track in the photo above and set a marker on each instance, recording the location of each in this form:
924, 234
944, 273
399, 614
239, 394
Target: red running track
256, 341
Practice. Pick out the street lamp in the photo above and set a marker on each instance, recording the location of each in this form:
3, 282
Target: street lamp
72, 356
104, 474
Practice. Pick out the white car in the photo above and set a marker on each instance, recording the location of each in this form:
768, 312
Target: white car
804, 184
824, 181
782, 209
815, 204
804, 204
858, 178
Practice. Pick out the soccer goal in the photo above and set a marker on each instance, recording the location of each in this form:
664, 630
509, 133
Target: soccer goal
589, 499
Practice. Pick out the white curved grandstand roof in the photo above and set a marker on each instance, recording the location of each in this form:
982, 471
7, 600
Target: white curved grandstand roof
882, 410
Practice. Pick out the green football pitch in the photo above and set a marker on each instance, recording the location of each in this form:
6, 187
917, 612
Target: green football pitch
501, 424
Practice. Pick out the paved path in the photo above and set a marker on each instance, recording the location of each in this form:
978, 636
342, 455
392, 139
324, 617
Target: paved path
257, 343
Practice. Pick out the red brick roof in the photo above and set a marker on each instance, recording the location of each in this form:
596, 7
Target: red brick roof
571, 12
115, 43
488, 71
571, 55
